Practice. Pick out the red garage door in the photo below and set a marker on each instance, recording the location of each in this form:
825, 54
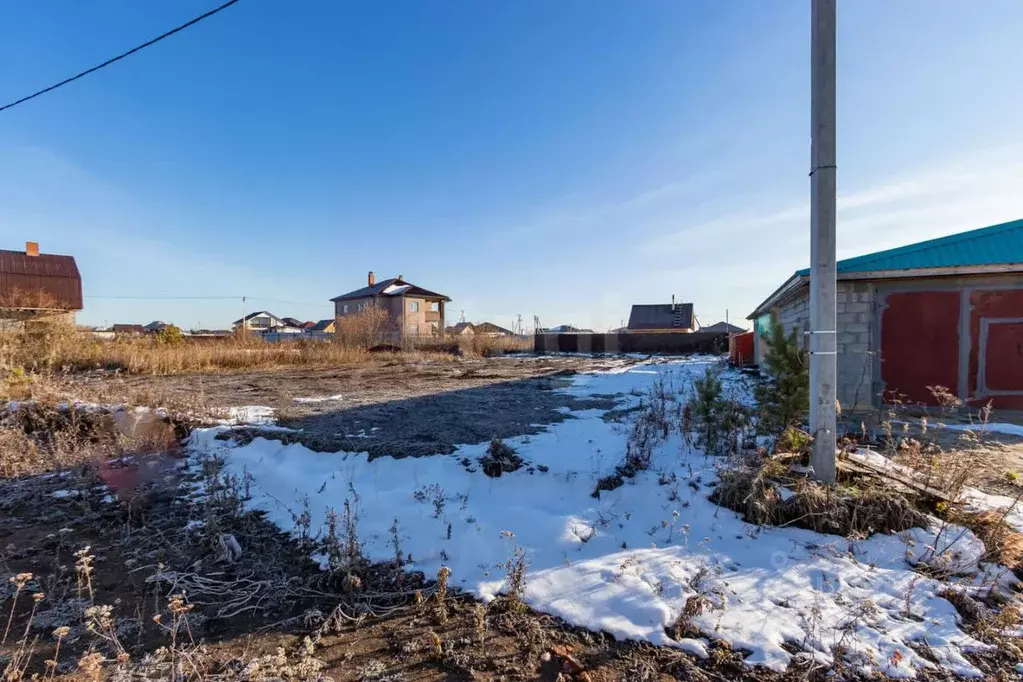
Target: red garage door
1003, 356
920, 344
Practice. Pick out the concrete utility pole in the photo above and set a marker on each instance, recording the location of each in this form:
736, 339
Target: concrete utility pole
823, 171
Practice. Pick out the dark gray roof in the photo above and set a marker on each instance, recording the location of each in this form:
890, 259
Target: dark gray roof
378, 289
321, 325
723, 327
661, 316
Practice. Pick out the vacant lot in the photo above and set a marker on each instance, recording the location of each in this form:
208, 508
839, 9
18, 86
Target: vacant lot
174, 564
397, 408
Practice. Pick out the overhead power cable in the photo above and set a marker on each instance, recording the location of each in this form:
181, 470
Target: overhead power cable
121, 56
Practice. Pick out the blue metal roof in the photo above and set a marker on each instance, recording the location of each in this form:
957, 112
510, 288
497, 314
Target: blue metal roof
995, 245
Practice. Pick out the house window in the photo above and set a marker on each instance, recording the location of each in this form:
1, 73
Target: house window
435, 307
413, 330
344, 309
413, 306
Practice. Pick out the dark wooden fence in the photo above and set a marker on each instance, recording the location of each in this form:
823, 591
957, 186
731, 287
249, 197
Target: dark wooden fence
667, 343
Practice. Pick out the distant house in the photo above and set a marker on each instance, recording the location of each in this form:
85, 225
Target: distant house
413, 310
491, 329
323, 326
480, 329
34, 284
307, 325
945, 312
293, 322
723, 328
155, 326
260, 321
662, 317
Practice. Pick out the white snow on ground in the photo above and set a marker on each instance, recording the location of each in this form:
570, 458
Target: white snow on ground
320, 399
250, 414
1007, 429
1010, 506
627, 562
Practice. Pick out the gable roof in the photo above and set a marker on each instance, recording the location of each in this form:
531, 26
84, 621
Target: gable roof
257, 314
995, 248
51, 276
292, 322
322, 325
661, 316
491, 328
390, 287
723, 327
460, 327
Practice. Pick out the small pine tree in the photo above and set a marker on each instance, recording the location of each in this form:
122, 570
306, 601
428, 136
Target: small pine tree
785, 397
705, 406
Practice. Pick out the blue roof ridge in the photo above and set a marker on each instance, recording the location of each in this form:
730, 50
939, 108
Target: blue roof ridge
947, 240
916, 247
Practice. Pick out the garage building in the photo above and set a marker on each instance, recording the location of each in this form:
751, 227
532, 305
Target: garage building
945, 312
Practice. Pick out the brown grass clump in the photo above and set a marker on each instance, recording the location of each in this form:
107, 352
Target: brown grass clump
750, 491
850, 511
1002, 542
39, 437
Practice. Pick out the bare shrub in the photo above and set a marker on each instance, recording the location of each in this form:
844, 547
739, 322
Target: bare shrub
371, 327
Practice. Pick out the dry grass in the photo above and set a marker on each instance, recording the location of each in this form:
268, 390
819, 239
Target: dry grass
55, 348
856, 511
476, 346
1002, 543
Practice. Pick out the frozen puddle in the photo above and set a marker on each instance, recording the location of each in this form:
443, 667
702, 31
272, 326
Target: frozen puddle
626, 563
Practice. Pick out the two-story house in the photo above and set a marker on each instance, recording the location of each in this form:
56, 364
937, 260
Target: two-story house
413, 310
260, 321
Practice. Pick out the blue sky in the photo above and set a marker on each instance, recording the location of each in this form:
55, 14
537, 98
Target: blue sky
564, 159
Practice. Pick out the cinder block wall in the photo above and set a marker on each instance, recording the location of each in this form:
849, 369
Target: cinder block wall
856, 321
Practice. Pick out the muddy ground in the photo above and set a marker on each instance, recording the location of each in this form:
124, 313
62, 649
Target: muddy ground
395, 409
268, 613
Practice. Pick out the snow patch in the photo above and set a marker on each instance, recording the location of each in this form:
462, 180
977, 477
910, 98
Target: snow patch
1006, 429
320, 399
250, 414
